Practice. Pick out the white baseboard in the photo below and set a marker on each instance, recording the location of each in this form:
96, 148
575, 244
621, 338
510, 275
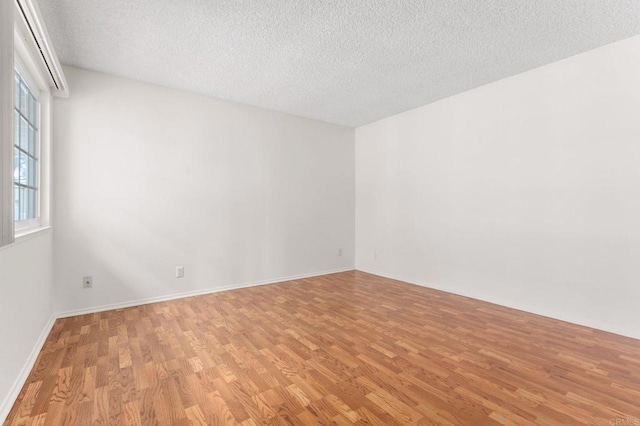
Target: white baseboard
11, 397
633, 333
131, 303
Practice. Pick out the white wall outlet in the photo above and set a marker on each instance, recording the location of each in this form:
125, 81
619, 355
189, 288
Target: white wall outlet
87, 282
179, 271
339, 252
375, 255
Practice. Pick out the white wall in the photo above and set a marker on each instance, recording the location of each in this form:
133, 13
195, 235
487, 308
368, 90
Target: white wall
525, 192
147, 178
25, 310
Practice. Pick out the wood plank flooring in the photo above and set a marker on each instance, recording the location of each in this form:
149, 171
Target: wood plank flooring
344, 349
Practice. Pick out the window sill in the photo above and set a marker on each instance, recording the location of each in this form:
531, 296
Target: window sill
28, 234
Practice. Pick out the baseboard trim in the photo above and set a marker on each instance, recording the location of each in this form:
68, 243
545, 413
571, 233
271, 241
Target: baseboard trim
10, 399
146, 301
518, 306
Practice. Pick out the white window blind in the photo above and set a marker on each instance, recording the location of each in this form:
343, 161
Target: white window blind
6, 118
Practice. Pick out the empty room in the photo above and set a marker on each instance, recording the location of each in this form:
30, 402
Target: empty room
320, 212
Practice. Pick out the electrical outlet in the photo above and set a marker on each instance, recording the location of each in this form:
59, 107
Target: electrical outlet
87, 282
340, 252
179, 271
375, 255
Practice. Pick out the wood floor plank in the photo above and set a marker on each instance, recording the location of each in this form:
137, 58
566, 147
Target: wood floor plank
345, 349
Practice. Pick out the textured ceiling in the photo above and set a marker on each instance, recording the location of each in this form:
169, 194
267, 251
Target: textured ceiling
342, 61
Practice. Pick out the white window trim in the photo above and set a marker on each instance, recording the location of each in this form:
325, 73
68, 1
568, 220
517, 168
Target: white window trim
25, 226
27, 66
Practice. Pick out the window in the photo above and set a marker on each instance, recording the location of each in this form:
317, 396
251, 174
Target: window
30, 74
26, 149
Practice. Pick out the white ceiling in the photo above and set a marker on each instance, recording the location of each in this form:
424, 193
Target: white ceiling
342, 61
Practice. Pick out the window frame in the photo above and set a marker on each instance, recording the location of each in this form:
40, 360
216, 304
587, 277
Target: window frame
23, 35
31, 73
22, 225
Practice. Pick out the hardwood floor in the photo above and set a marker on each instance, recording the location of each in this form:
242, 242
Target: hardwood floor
348, 348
